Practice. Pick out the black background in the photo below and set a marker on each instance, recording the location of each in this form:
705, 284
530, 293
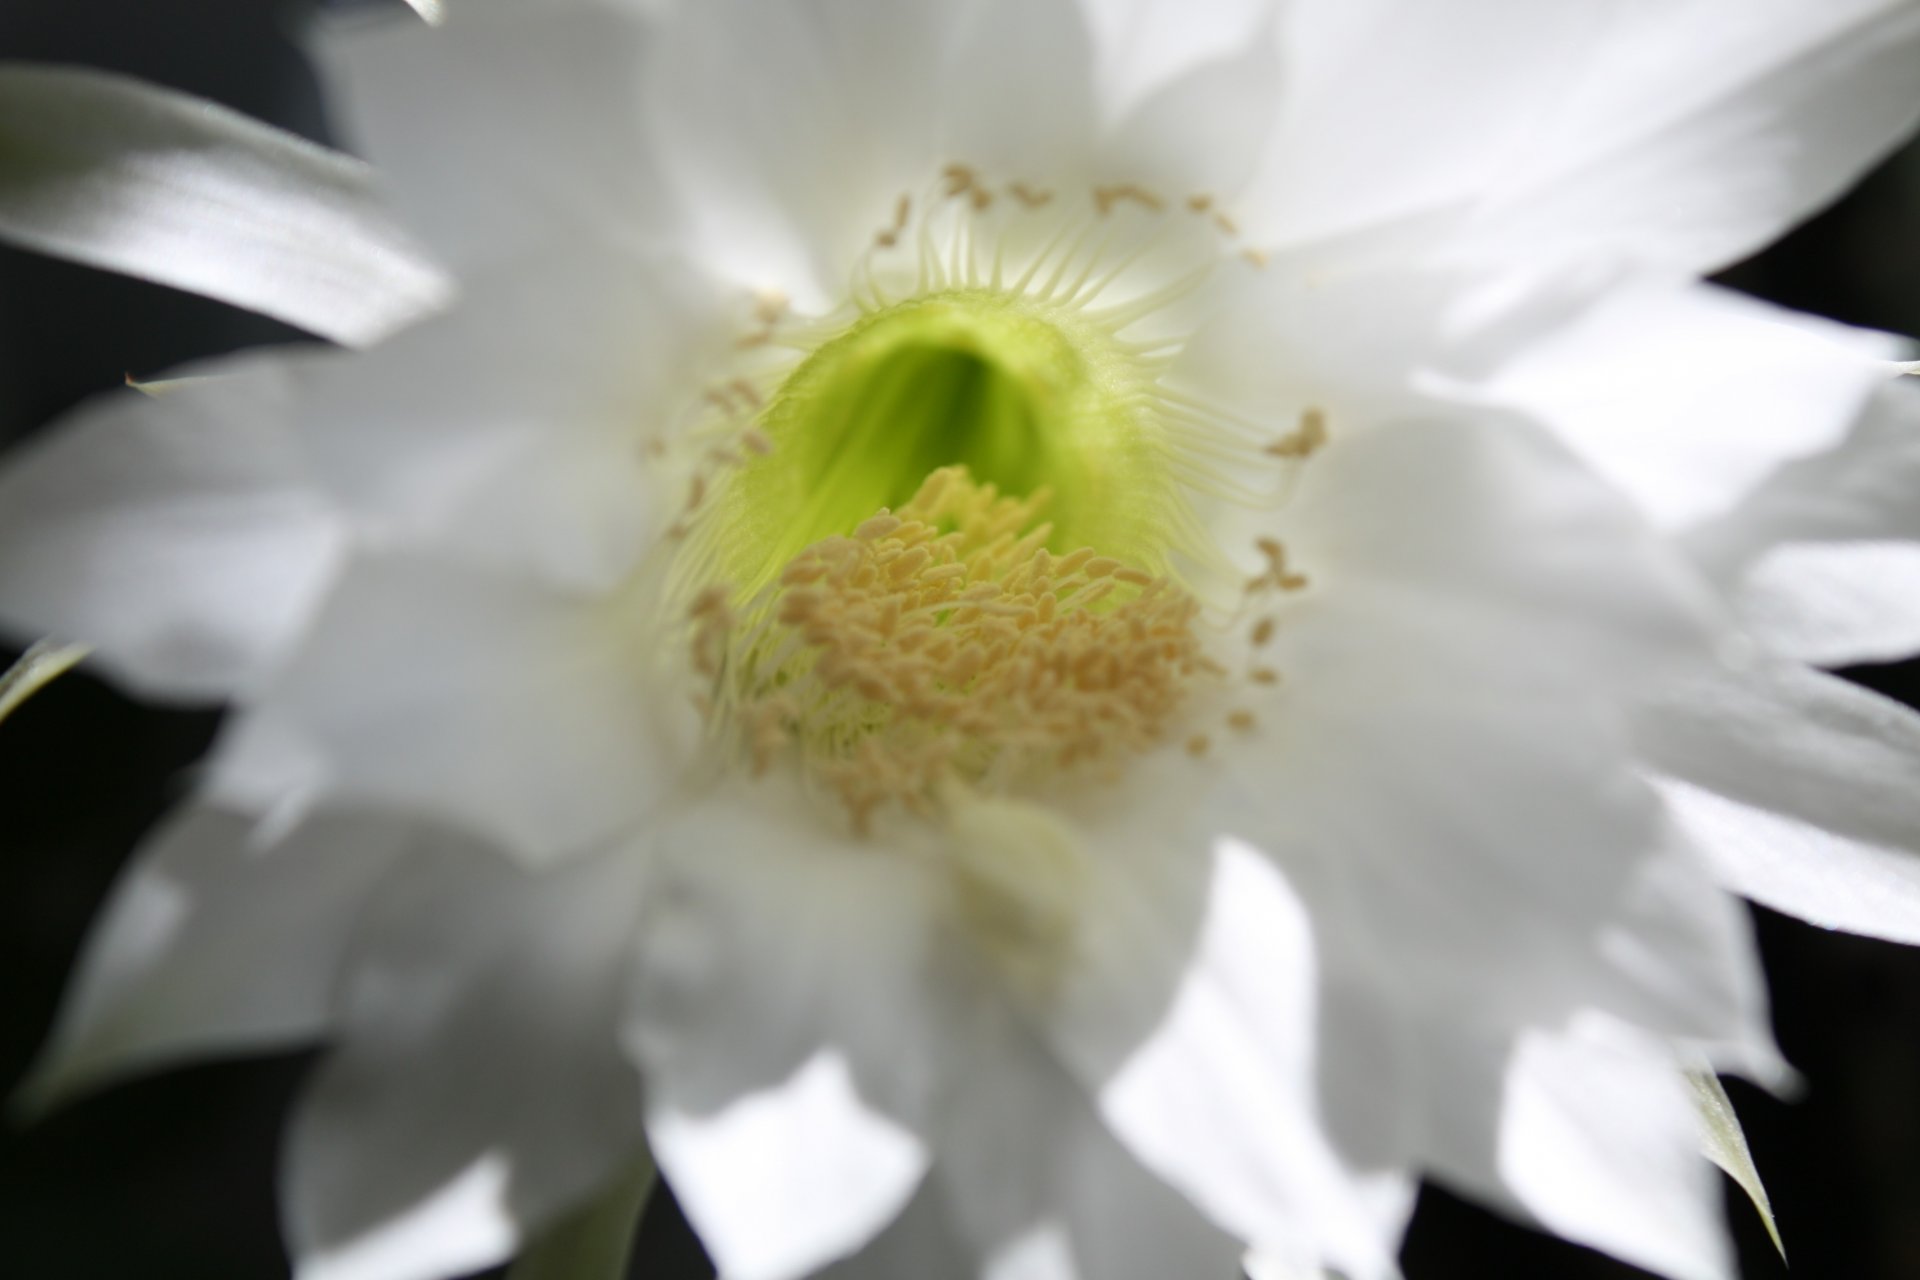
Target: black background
171, 1177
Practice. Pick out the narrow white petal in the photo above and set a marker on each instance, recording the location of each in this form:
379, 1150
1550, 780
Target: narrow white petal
217, 940
475, 1088
125, 175
1859, 886
176, 536
1814, 778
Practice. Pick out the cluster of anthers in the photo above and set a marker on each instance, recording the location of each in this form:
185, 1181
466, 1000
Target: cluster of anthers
944, 641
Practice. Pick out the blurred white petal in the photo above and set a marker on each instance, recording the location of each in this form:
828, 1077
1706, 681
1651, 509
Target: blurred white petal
129, 176
176, 536
1094, 940
476, 1090
220, 939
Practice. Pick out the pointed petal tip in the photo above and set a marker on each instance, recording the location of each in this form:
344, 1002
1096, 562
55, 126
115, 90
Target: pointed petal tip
1724, 1142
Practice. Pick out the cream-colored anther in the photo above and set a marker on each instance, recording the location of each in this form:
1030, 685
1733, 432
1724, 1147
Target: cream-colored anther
1304, 440
913, 659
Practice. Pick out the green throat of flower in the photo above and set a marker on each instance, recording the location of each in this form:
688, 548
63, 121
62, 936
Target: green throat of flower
1025, 397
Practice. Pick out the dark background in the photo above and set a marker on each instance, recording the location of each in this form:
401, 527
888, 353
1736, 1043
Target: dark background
171, 1177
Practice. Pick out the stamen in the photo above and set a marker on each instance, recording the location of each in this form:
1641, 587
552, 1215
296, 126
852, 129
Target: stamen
1303, 441
1106, 198
943, 643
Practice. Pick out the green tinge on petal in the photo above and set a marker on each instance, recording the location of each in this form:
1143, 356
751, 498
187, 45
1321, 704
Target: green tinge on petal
1726, 1145
1024, 397
38, 665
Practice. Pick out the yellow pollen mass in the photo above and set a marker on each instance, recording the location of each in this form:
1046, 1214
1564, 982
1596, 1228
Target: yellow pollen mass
944, 642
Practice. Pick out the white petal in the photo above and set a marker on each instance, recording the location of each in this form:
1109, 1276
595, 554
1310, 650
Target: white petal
476, 1087
1471, 533
135, 178
921, 1242
1395, 109
787, 132
472, 694
1834, 604
1685, 946
1035, 1183
1818, 780
176, 536
785, 1015
504, 129
1819, 559
1859, 886
1188, 1012
1143, 46
1686, 398
217, 940
787, 1178
1860, 490
1390, 1197
1675, 136
516, 425
1365, 340
1018, 96
1691, 134
1600, 1143
1229, 100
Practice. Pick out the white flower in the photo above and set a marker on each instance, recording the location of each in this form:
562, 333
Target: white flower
607, 760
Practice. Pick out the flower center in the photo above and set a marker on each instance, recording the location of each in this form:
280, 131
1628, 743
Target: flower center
953, 559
